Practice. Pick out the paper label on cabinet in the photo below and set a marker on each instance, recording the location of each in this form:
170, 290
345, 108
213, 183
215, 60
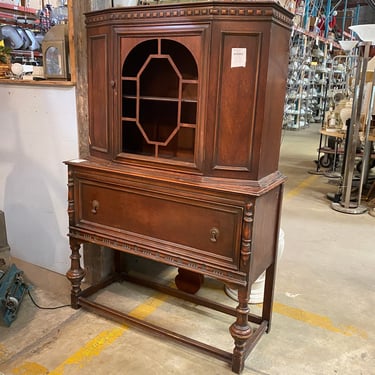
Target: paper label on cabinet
77, 160
238, 58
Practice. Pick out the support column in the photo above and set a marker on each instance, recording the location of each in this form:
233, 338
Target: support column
240, 330
76, 273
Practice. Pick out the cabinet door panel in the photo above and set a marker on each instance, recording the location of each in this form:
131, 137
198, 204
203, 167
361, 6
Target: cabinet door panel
98, 96
161, 119
239, 66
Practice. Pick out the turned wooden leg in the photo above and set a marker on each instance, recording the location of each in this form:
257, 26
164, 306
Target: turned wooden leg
188, 281
240, 330
76, 273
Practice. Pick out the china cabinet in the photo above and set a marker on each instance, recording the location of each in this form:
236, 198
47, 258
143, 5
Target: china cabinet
185, 114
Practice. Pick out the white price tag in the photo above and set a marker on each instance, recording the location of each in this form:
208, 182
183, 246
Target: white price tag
238, 58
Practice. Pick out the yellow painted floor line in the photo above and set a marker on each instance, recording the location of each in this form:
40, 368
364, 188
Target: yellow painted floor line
96, 345
316, 320
104, 339
30, 368
303, 185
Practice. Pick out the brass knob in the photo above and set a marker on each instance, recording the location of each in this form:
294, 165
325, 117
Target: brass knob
214, 234
95, 206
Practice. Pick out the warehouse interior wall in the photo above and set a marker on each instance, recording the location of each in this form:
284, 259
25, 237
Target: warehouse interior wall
38, 132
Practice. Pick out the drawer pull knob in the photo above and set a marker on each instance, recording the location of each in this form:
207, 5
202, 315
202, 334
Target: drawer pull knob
95, 206
214, 234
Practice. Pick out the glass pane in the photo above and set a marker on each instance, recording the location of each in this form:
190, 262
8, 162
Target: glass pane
189, 91
129, 87
138, 56
188, 112
159, 79
164, 89
182, 57
133, 140
53, 61
158, 119
129, 108
181, 146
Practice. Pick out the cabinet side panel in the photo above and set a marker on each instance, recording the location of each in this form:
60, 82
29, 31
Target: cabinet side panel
98, 97
265, 229
239, 67
277, 72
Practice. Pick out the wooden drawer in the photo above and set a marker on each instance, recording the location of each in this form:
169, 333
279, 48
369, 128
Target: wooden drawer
197, 230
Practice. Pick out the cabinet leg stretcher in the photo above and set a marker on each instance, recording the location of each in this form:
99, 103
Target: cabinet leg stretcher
236, 359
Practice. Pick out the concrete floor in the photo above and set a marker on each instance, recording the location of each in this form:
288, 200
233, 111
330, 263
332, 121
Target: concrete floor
323, 312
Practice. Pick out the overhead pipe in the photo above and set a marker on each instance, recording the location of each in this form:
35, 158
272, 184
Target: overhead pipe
356, 14
344, 19
306, 15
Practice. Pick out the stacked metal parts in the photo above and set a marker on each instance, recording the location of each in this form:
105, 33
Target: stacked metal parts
359, 128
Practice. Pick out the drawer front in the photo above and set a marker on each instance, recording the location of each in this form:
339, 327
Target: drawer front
195, 229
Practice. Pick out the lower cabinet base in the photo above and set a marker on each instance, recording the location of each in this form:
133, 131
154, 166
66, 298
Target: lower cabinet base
226, 231
245, 337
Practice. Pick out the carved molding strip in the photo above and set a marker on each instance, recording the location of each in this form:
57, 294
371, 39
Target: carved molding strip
241, 10
238, 278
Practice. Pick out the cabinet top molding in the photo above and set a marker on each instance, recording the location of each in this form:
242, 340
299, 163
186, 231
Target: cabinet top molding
181, 12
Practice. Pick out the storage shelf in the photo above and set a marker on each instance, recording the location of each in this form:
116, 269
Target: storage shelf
10, 9
160, 98
312, 78
35, 83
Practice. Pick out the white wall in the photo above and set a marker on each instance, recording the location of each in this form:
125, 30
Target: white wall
38, 131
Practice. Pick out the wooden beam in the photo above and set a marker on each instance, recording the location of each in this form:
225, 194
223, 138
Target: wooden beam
98, 260
78, 61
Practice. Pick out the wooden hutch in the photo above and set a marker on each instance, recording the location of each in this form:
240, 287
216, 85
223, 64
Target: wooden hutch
185, 116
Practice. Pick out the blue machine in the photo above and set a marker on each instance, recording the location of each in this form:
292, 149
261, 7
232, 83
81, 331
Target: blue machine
12, 290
